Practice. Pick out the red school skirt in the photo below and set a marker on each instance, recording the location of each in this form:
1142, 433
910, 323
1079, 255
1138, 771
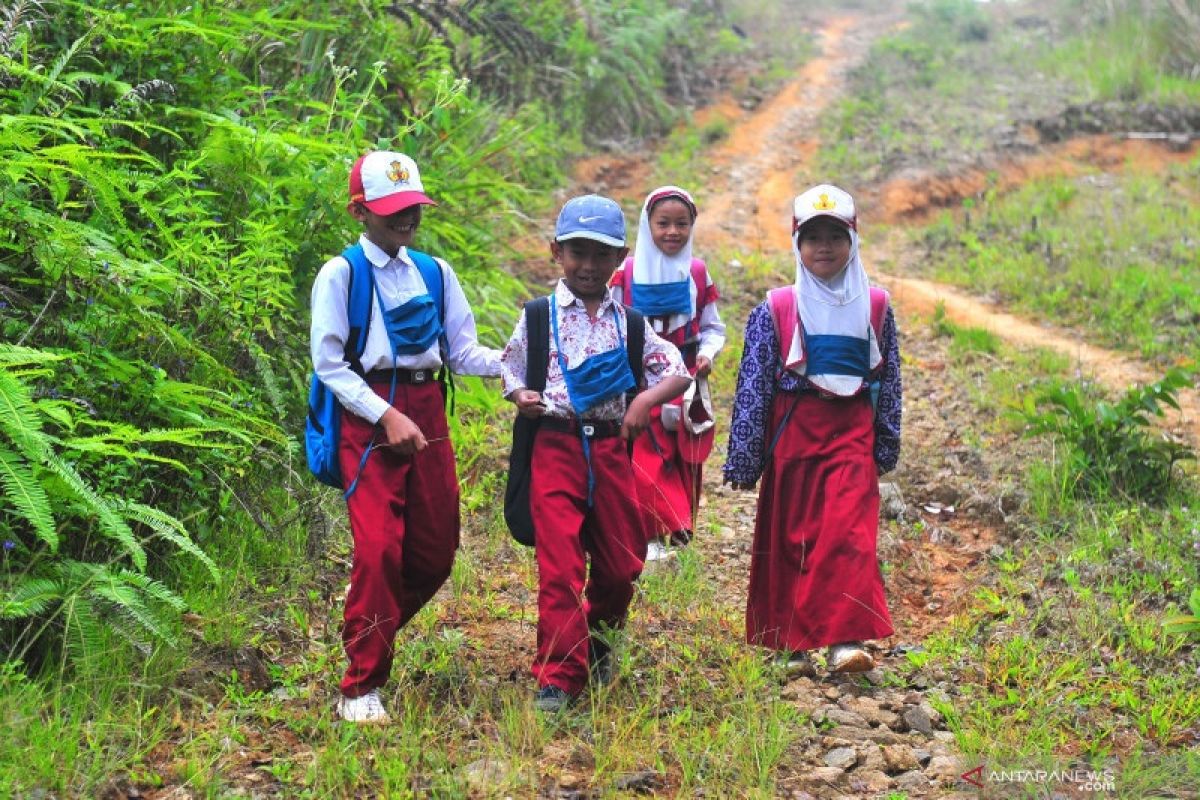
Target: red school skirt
814, 573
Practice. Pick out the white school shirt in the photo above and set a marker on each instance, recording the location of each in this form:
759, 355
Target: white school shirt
396, 281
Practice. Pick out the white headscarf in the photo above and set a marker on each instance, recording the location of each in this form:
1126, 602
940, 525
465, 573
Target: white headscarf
840, 305
652, 265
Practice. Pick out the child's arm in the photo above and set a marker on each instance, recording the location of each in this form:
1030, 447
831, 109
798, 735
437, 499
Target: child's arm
465, 354
666, 378
752, 401
888, 410
513, 361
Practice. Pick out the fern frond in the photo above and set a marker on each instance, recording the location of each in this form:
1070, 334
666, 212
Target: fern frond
27, 496
83, 629
12, 355
19, 420
153, 589
34, 98
171, 529
30, 595
125, 601
111, 523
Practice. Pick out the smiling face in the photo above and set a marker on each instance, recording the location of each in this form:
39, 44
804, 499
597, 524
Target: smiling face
392, 232
670, 225
587, 265
824, 247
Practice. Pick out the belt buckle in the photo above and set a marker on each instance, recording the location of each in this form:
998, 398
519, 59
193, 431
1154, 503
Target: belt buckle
589, 430
419, 376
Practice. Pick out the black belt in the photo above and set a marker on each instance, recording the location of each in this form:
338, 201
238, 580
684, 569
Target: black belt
413, 376
593, 429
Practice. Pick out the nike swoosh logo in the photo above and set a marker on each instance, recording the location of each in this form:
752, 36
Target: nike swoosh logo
586, 220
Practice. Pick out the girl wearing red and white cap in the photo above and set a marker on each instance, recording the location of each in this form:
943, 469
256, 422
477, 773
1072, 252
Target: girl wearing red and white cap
817, 415
676, 293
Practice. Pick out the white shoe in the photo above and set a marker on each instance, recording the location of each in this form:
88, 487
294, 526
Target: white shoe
850, 657
657, 551
368, 709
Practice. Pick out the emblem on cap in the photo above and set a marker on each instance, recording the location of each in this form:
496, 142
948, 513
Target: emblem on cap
397, 173
824, 203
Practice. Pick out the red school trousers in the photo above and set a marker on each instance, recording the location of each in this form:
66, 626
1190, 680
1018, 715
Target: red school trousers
405, 523
573, 600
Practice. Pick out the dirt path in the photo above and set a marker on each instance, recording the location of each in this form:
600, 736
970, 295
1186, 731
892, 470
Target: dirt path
766, 159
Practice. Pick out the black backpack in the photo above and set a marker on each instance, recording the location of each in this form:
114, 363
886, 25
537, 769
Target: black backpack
537, 326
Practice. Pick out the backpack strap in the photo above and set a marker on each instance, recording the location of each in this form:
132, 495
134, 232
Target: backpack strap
435, 283
360, 296
537, 336
635, 346
879, 307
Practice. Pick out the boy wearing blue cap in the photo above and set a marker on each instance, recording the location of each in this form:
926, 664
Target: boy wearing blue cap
581, 483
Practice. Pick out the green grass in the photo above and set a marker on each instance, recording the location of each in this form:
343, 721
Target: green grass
1112, 258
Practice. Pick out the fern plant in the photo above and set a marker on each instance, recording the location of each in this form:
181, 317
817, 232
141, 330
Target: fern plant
54, 513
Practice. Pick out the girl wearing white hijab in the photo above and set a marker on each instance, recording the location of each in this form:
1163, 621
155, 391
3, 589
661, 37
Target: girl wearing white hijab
817, 416
675, 292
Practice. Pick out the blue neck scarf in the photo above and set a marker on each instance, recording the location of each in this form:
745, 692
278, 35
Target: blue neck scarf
598, 378
413, 326
662, 299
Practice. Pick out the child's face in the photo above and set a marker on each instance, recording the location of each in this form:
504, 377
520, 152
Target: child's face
670, 225
824, 247
392, 232
587, 265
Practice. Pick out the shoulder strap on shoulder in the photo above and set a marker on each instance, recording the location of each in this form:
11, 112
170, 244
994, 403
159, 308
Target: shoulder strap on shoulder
624, 279
635, 344
784, 314
700, 278
537, 335
431, 273
360, 294
879, 306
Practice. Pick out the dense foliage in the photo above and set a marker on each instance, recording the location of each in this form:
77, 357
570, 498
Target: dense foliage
173, 176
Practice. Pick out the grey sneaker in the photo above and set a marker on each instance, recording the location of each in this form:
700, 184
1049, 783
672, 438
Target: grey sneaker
795, 664
850, 657
551, 699
367, 709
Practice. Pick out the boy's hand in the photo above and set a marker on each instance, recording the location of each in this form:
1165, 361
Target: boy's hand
703, 366
529, 403
637, 418
401, 433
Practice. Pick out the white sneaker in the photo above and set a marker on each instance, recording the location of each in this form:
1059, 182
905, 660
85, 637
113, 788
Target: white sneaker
368, 709
850, 657
657, 551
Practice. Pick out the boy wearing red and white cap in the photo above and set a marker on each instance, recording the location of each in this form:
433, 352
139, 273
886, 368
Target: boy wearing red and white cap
395, 454
817, 415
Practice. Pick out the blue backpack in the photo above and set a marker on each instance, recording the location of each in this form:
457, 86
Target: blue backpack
322, 428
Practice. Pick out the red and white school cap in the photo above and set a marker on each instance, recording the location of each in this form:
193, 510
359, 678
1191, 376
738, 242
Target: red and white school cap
387, 182
824, 200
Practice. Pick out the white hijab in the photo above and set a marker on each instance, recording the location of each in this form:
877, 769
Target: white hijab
838, 306
652, 265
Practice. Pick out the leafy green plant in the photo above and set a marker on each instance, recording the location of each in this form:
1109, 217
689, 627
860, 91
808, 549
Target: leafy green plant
1112, 447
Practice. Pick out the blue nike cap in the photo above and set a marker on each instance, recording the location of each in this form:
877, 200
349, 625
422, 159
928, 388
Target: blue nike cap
591, 217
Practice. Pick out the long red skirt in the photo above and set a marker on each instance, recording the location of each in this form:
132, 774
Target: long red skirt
668, 487
814, 575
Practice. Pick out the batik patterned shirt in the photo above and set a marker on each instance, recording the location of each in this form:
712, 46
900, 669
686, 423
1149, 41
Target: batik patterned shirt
581, 337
